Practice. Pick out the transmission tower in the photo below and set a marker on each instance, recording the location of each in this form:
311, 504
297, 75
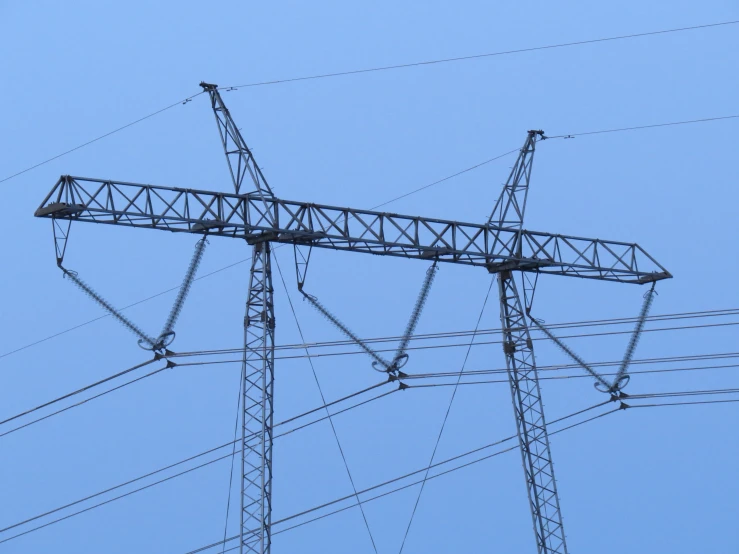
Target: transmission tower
252, 213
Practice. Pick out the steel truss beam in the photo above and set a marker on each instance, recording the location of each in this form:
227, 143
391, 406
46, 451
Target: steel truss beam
254, 218
530, 422
258, 409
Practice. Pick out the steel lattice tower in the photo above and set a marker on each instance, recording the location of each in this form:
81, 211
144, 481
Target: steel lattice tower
501, 246
522, 375
258, 409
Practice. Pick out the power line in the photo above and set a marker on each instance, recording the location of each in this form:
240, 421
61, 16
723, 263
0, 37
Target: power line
640, 127
497, 331
448, 177
577, 424
613, 321
233, 451
376, 69
323, 399
495, 454
200, 455
453, 345
489, 456
579, 376
442, 374
557, 367
85, 401
83, 389
479, 56
446, 415
416, 472
390, 481
672, 394
205, 464
689, 403
114, 131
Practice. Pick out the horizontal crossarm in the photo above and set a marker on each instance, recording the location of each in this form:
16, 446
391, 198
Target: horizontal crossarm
250, 217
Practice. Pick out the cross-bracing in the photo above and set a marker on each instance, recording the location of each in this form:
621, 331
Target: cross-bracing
500, 245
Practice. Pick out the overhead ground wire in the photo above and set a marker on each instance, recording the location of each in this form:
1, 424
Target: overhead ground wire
374, 70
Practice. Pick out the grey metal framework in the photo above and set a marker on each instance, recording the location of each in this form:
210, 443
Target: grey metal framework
240, 159
530, 422
528, 408
500, 246
258, 408
244, 216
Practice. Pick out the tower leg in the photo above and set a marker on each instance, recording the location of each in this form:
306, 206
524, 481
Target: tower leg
258, 388
530, 422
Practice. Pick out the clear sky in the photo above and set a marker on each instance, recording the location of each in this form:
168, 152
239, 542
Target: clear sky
649, 480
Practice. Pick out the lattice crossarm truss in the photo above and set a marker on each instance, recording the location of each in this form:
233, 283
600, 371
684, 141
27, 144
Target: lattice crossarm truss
367, 231
258, 408
530, 421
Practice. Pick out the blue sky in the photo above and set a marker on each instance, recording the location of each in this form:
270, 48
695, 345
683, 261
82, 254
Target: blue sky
637, 481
